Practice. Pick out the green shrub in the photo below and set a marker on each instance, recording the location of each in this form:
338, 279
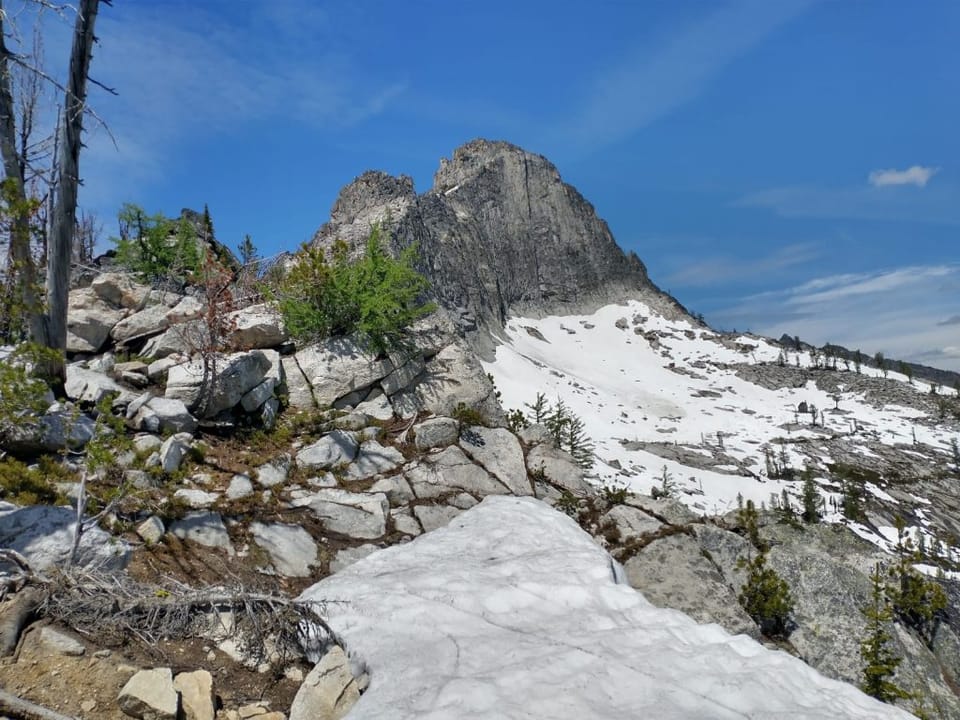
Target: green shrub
156, 247
24, 485
766, 598
467, 416
375, 297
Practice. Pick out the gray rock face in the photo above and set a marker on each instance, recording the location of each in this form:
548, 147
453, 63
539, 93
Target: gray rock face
451, 472
670, 572
120, 290
150, 695
498, 450
274, 472
632, 522
559, 468
60, 642
356, 515
149, 321
499, 231
173, 450
432, 517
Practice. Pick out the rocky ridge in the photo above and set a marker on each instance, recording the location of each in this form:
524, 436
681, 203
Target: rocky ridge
498, 233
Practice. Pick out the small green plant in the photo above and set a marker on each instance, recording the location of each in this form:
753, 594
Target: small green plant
569, 504
517, 421
614, 493
766, 598
538, 410
667, 486
24, 485
880, 661
375, 297
467, 416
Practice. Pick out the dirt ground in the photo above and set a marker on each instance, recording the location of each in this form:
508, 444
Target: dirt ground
87, 686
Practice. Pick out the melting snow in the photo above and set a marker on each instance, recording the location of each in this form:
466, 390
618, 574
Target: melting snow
513, 611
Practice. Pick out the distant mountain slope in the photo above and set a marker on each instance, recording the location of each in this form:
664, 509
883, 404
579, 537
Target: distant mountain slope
499, 233
726, 420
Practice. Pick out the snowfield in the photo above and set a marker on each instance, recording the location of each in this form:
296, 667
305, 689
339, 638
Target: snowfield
679, 386
512, 611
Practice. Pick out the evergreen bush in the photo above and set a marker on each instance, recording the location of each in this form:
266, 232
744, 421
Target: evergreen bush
375, 297
766, 598
156, 247
880, 662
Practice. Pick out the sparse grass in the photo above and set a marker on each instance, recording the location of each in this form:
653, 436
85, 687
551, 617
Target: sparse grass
25, 485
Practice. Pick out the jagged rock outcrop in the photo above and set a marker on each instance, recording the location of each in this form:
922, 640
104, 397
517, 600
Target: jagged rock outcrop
499, 231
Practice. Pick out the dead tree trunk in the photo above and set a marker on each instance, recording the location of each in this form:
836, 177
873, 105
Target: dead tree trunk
64, 222
20, 259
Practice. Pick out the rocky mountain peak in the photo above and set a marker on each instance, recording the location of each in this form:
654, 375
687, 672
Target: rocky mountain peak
499, 232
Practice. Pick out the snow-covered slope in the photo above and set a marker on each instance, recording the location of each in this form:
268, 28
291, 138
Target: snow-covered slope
643, 383
512, 611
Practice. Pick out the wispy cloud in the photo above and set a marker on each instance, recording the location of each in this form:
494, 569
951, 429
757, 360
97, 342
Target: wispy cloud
189, 75
722, 270
938, 204
895, 311
955, 320
914, 175
650, 84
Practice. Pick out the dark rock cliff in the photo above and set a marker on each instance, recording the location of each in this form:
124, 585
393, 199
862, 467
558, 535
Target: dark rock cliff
499, 232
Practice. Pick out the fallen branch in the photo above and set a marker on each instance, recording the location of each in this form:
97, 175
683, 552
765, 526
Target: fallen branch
114, 608
25, 710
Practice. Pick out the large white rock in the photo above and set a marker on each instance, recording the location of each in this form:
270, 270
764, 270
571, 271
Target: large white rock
450, 472
120, 290
337, 367
292, 550
196, 694
335, 448
89, 321
257, 326
87, 386
149, 321
173, 450
150, 695
329, 691
44, 535
559, 468
234, 376
157, 415
356, 515
499, 451
204, 528
374, 459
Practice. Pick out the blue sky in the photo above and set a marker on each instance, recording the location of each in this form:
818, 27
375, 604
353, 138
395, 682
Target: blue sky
780, 165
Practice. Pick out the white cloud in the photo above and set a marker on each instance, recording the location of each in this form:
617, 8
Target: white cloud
937, 204
714, 271
899, 312
914, 175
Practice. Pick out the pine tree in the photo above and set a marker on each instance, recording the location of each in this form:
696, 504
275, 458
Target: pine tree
538, 410
577, 443
810, 496
880, 662
917, 602
766, 598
